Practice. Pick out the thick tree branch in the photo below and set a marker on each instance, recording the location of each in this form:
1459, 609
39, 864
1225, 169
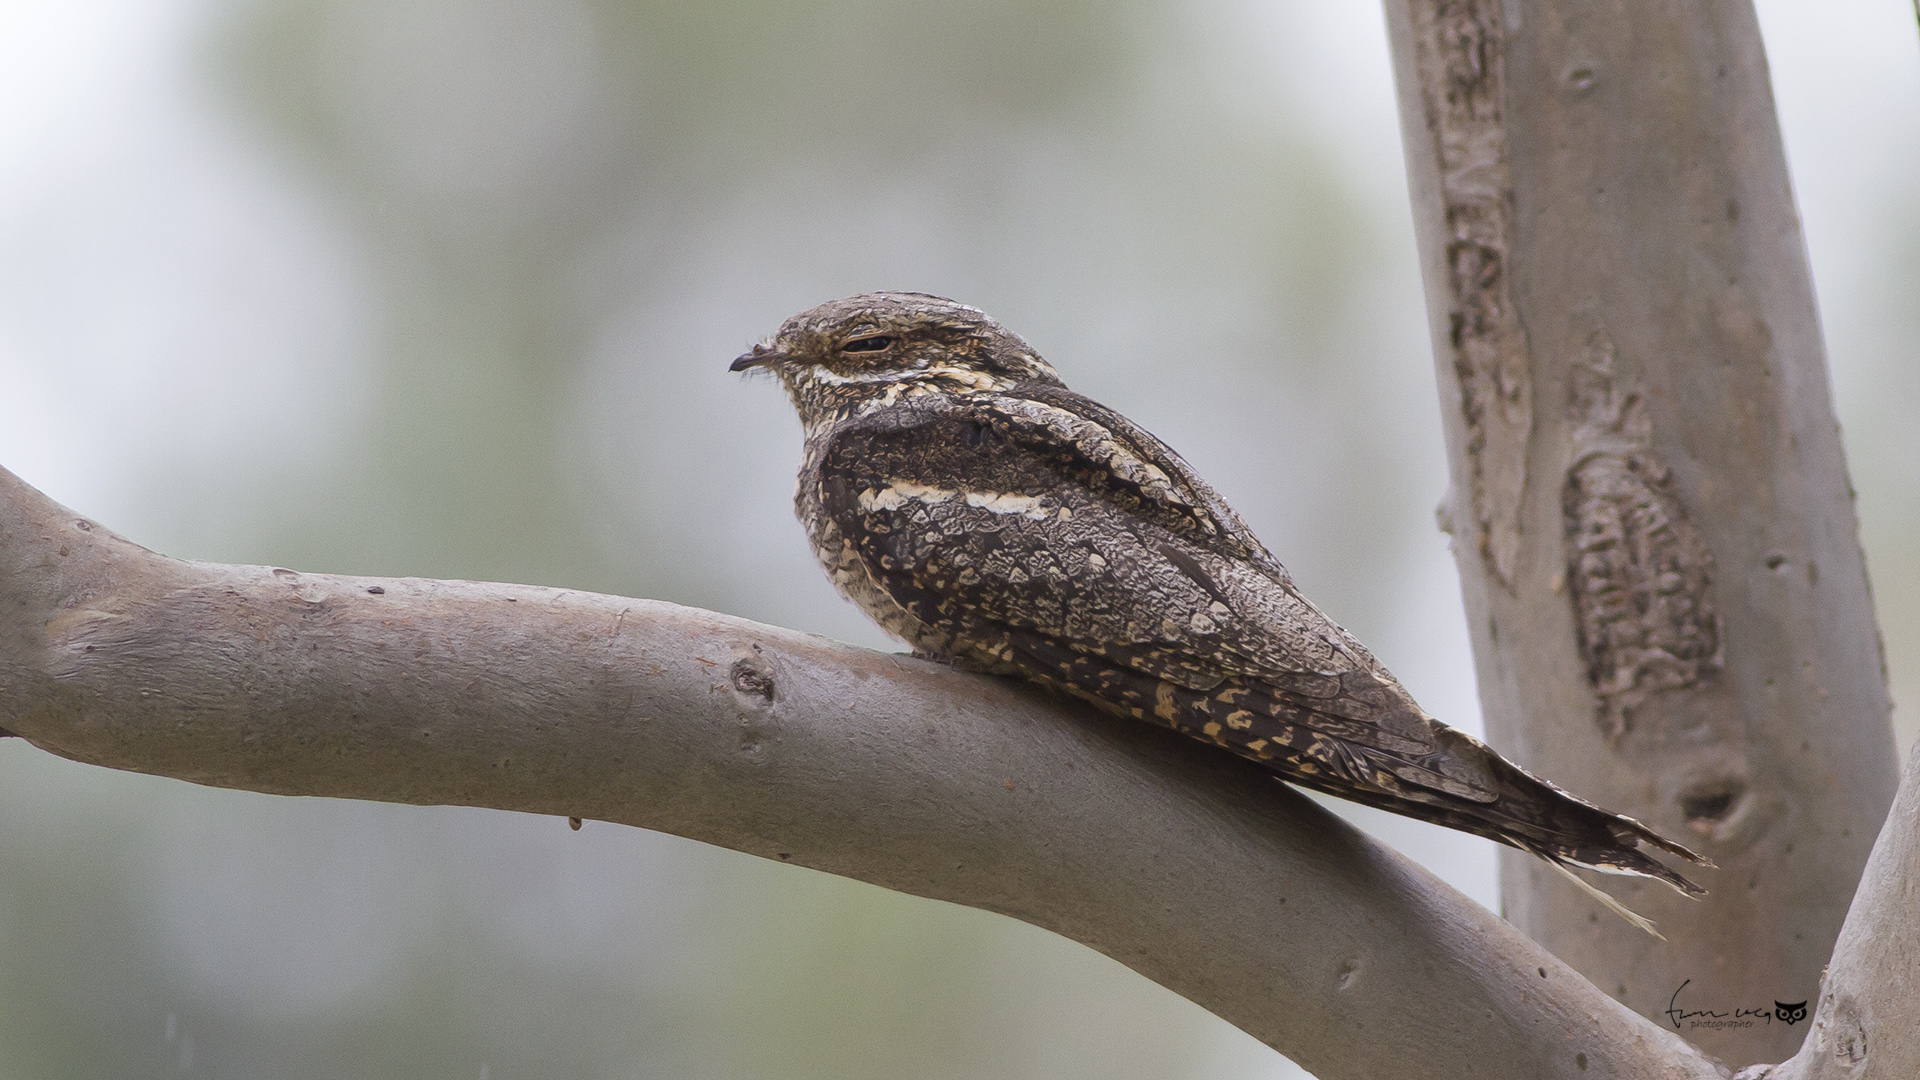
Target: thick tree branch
1867, 1024
1650, 507
1187, 865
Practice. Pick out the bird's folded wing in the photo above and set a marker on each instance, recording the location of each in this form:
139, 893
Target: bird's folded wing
1008, 518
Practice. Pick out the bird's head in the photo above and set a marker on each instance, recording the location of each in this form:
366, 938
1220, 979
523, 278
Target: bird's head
863, 347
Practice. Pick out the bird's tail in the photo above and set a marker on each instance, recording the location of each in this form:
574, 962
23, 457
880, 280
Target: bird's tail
1506, 803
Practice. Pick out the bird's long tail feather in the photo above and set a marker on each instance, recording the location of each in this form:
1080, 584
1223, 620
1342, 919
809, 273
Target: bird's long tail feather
1606, 901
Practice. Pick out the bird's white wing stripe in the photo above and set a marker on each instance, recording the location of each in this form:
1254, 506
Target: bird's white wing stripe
898, 493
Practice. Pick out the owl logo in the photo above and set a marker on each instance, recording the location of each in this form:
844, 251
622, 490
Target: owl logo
1790, 1014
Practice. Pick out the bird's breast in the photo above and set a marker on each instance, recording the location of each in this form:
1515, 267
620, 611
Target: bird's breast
843, 563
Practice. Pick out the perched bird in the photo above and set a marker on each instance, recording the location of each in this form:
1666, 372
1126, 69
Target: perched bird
972, 505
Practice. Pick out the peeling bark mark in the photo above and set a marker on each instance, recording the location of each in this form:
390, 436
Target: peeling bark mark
1457, 47
1638, 571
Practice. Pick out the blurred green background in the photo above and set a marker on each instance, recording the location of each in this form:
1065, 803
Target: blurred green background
449, 289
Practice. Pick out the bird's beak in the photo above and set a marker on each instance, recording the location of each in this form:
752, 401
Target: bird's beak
756, 357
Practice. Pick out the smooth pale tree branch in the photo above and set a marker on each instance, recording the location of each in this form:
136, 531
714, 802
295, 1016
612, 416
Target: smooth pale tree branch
1867, 1024
1187, 865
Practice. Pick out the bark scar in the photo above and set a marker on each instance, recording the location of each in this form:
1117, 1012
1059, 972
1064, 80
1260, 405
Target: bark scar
1638, 572
1457, 48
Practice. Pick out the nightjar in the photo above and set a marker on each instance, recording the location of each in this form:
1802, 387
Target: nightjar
962, 496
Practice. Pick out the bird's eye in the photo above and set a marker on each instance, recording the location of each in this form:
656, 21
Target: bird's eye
876, 343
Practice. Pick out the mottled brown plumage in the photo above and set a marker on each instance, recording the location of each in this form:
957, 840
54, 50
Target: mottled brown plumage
969, 502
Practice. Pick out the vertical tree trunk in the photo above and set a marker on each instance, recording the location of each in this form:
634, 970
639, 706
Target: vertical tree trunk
1650, 507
